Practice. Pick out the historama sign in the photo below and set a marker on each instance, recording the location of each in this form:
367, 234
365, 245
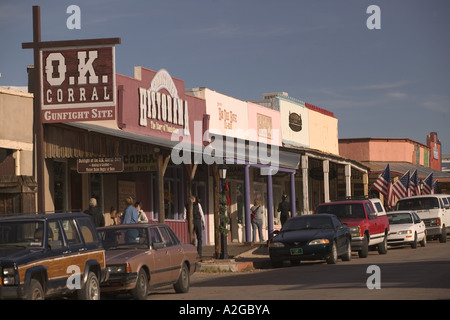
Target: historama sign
77, 84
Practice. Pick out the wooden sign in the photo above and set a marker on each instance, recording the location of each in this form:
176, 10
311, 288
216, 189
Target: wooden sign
77, 84
100, 165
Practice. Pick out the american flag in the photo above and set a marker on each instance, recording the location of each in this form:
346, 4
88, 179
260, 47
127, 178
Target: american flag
414, 185
435, 187
428, 184
401, 187
383, 183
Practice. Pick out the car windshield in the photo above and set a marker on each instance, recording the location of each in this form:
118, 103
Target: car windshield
307, 222
124, 238
22, 234
425, 203
399, 218
344, 210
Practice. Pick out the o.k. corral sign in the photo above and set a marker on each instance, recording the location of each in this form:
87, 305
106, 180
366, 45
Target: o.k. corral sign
77, 84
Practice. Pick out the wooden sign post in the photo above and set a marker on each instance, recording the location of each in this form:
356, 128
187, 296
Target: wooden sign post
74, 80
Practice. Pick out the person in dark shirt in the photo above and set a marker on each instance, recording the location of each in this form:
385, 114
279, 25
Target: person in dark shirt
284, 208
94, 212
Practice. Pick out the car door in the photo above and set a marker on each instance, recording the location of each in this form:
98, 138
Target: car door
175, 251
341, 239
57, 251
418, 226
160, 272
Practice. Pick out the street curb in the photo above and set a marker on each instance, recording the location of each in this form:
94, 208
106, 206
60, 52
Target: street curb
227, 265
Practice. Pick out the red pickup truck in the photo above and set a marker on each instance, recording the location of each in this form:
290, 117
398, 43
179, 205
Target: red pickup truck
367, 221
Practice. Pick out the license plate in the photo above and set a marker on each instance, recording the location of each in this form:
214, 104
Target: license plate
296, 251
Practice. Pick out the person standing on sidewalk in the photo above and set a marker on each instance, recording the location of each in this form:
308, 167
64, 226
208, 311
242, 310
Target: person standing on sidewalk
257, 220
199, 222
94, 212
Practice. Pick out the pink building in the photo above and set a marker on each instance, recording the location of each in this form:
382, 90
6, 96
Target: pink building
402, 154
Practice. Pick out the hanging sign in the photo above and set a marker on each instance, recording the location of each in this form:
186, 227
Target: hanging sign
77, 84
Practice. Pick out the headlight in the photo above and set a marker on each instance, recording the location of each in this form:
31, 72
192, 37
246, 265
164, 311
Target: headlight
276, 244
8, 275
436, 222
405, 232
318, 241
119, 268
356, 231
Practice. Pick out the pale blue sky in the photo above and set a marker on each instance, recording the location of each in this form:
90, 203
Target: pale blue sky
393, 82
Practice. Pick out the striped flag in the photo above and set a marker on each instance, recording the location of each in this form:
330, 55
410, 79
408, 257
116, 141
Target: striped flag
414, 185
435, 187
401, 187
428, 184
383, 183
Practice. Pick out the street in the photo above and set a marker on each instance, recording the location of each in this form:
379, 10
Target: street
404, 273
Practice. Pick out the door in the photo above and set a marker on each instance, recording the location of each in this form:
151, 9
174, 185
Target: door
160, 270
175, 252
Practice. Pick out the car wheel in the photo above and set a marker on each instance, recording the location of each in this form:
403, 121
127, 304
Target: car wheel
35, 291
364, 252
91, 289
414, 243
332, 259
182, 285
382, 247
443, 237
140, 292
423, 243
348, 255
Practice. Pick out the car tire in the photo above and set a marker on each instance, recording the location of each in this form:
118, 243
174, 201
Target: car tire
364, 252
140, 291
382, 247
414, 243
35, 291
91, 289
183, 282
348, 254
332, 259
443, 237
423, 243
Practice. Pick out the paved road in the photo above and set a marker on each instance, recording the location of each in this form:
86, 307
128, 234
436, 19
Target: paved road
404, 273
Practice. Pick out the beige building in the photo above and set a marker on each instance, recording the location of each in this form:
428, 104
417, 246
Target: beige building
17, 187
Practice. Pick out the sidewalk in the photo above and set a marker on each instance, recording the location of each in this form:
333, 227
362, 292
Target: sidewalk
241, 257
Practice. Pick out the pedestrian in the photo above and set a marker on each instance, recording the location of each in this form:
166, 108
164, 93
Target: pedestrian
130, 213
198, 221
113, 216
142, 217
94, 212
257, 220
284, 208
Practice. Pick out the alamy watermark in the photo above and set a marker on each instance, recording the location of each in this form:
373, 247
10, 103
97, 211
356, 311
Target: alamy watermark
233, 146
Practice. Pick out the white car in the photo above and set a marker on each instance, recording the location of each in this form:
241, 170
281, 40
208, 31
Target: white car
406, 228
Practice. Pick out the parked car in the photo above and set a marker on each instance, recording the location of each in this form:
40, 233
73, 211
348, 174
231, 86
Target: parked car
50, 255
311, 237
406, 228
369, 227
433, 209
144, 256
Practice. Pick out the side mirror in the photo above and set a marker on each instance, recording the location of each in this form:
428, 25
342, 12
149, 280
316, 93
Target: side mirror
158, 245
373, 215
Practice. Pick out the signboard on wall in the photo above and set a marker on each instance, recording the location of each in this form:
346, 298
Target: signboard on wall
100, 165
78, 84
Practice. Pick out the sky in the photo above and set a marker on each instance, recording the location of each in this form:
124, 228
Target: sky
391, 82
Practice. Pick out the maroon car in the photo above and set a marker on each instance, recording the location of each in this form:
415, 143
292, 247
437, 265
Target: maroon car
143, 256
